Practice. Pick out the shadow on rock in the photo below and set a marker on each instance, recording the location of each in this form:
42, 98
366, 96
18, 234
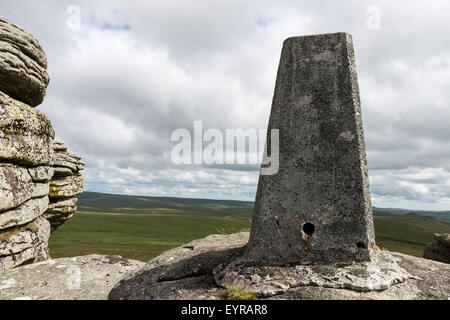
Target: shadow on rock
170, 281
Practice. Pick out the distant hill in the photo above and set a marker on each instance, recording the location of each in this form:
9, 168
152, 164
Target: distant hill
101, 202
141, 228
407, 233
438, 215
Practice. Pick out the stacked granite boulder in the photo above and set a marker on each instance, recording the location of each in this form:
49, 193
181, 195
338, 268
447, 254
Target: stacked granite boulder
23, 65
66, 183
26, 149
26, 154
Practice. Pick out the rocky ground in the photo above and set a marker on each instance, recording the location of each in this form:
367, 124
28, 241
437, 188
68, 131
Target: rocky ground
186, 273
80, 278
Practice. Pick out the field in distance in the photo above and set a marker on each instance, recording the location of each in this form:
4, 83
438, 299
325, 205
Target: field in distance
141, 228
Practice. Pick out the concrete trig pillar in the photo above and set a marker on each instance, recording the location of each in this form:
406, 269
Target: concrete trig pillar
317, 208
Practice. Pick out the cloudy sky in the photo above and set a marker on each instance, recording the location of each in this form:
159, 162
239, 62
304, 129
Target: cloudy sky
134, 71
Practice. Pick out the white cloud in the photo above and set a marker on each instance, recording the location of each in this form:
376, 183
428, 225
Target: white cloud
136, 71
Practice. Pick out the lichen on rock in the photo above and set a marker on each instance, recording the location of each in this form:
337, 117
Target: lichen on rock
27, 157
24, 244
26, 134
66, 183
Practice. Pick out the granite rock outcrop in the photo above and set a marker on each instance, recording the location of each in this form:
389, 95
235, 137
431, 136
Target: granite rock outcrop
26, 156
32, 183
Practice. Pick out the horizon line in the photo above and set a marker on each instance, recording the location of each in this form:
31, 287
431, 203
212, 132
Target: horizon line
245, 201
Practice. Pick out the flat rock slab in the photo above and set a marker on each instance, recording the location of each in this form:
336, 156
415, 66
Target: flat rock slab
80, 278
432, 283
191, 265
187, 273
17, 185
25, 213
268, 281
66, 187
60, 210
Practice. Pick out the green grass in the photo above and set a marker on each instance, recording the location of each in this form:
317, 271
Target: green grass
135, 236
236, 292
407, 233
141, 227
99, 202
438, 215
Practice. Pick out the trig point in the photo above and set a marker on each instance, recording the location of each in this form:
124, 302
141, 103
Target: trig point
312, 225
317, 208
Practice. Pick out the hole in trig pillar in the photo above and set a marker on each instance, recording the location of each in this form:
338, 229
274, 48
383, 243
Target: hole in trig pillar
308, 228
361, 245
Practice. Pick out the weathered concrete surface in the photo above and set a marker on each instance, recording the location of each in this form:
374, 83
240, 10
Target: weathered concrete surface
26, 135
24, 244
23, 65
80, 278
322, 181
187, 273
440, 250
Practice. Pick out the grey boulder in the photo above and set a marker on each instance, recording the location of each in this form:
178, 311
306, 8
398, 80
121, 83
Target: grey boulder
65, 184
26, 134
60, 210
23, 65
66, 187
66, 163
